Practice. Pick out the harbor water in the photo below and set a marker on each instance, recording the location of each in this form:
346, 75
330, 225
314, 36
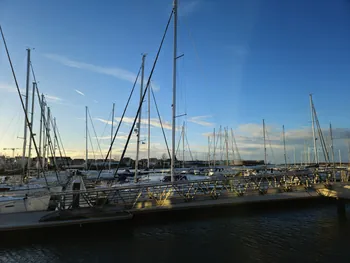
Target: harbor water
285, 233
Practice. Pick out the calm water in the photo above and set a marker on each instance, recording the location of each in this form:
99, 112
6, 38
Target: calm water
312, 233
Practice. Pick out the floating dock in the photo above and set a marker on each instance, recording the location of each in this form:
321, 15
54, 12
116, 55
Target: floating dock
125, 202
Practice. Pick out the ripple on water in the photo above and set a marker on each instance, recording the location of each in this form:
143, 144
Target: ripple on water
306, 235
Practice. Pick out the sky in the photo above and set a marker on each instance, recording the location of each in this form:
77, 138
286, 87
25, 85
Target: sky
243, 61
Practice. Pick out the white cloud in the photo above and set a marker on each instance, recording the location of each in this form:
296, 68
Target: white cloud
199, 120
115, 71
79, 92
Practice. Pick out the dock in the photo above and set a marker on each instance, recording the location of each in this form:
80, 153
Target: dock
125, 202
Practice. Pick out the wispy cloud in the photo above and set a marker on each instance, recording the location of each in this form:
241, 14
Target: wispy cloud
129, 120
200, 120
188, 7
239, 50
53, 98
12, 89
115, 71
79, 92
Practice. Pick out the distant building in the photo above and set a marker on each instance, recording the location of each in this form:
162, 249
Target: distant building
127, 161
78, 161
60, 161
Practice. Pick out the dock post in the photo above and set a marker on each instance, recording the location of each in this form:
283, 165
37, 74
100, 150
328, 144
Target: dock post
341, 208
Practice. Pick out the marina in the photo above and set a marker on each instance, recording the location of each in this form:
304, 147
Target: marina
45, 188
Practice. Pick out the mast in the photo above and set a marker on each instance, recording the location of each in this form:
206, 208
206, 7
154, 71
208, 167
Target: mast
139, 122
110, 156
183, 145
294, 157
209, 151
26, 113
348, 153
44, 131
174, 92
220, 144
308, 155
54, 141
41, 129
149, 128
339, 158
48, 131
226, 139
86, 139
31, 125
284, 147
214, 154
265, 156
332, 146
313, 128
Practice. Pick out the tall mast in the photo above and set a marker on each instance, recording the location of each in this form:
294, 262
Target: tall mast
226, 140
348, 153
265, 156
305, 153
110, 155
86, 139
174, 92
48, 131
54, 141
183, 145
332, 146
26, 113
214, 154
339, 158
284, 147
139, 122
313, 128
233, 149
31, 125
295, 157
220, 146
209, 151
308, 155
149, 127
44, 131
41, 129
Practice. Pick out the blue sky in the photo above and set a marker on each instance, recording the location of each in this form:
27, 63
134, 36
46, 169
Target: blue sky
243, 61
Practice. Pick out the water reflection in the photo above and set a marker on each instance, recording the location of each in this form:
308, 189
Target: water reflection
306, 234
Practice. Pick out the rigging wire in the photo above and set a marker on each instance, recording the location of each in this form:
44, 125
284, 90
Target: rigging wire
161, 124
93, 150
58, 145
93, 127
145, 91
119, 124
189, 149
38, 94
48, 136
22, 103
273, 154
104, 129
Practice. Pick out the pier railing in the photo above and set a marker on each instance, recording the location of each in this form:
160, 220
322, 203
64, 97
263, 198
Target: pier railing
162, 194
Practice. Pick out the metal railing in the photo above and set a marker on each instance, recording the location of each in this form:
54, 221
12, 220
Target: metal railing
161, 194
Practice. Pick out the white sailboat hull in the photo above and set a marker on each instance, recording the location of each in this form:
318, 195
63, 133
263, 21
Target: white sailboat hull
23, 204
